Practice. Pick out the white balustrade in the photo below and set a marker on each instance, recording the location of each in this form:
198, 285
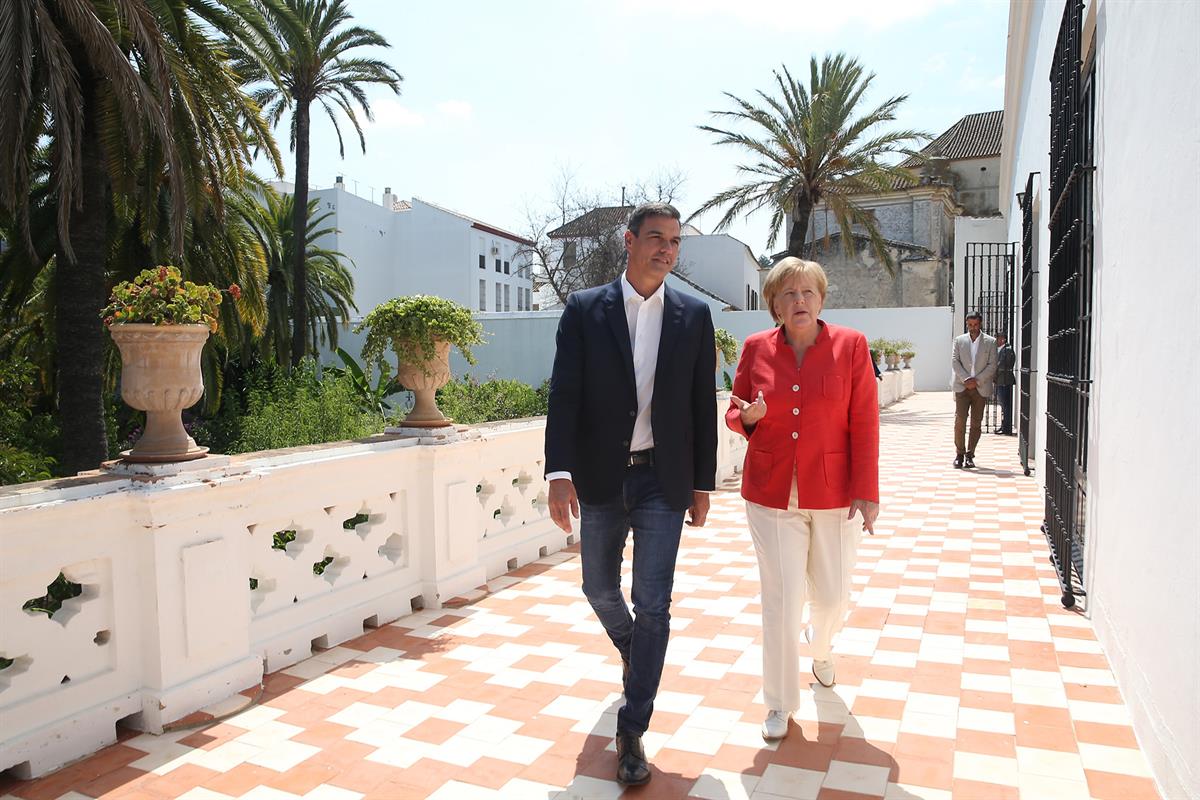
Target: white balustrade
195, 580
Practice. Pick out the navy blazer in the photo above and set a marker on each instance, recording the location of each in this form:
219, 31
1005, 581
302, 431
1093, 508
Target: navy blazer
593, 399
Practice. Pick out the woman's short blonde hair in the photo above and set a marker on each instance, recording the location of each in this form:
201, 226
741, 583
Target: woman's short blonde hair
787, 270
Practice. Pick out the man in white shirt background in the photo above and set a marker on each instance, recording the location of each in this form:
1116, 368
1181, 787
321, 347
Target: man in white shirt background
973, 364
631, 442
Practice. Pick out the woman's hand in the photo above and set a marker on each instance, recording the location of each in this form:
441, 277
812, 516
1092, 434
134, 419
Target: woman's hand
751, 412
869, 511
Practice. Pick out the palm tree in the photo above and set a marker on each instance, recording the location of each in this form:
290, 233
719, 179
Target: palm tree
329, 295
812, 145
122, 93
314, 66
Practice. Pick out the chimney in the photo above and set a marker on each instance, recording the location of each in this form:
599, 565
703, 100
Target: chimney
388, 200
338, 183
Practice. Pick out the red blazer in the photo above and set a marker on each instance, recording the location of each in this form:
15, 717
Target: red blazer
822, 420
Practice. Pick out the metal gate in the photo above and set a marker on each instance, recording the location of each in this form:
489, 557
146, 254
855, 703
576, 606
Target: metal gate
988, 289
1027, 379
1069, 318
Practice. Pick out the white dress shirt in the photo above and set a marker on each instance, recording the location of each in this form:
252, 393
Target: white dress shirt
974, 353
644, 316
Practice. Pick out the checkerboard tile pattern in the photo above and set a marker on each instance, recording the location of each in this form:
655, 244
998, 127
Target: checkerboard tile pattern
959, 676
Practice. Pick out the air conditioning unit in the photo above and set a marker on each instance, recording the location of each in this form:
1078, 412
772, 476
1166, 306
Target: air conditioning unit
495, 250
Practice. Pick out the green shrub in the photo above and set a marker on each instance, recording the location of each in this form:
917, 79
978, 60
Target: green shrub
469, 402
27, 436
290, 409
727, 345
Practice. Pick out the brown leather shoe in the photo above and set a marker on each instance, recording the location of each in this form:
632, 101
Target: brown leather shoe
632, 769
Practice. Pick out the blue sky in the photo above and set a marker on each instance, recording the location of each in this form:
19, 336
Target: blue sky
500, 98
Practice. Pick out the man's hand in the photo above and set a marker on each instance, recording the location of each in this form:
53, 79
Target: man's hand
869, 511
970, 383
564, 504
751, 412
698, 512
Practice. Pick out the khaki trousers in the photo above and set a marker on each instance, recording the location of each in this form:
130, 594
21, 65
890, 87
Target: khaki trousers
797, 548
972, 400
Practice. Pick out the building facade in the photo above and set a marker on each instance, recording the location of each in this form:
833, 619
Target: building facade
401, 247
959, 178
1100, 184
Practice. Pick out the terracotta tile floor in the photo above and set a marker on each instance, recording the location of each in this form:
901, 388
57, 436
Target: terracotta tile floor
959, 675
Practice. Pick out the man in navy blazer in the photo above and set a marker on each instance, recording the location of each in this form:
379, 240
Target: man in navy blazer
631, 443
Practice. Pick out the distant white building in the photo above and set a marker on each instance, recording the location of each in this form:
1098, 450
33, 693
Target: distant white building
402, 247
719, 269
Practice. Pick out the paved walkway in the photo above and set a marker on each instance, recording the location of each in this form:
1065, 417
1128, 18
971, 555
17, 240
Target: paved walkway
959, 675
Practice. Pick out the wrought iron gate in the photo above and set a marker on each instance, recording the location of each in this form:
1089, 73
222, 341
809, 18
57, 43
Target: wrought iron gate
1069, 319
988, 289
1027, 379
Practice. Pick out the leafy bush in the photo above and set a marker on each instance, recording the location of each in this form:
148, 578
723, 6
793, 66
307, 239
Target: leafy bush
282, 409
160, 296
26, 436
727, 345
470, 402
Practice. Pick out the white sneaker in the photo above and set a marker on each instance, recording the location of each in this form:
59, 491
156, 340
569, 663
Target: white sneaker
823, 671
775, 726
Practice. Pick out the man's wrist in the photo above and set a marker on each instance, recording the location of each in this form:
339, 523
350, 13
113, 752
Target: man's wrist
561, 475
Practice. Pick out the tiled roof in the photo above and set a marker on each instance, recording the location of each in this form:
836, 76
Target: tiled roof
973, 136
593, 223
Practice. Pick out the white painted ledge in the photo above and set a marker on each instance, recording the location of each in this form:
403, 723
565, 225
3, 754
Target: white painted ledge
168, 621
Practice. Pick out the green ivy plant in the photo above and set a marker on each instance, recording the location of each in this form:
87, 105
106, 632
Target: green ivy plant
727, 345
410, 325
160, 296
905, 349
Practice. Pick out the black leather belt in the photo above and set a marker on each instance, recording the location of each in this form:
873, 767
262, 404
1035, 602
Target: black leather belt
640, 458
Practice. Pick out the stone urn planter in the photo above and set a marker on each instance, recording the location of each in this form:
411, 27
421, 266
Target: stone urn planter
424, 378
893, 361
160, 374
420, 329
908, 357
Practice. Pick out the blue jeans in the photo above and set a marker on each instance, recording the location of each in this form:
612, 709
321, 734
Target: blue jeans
640, 638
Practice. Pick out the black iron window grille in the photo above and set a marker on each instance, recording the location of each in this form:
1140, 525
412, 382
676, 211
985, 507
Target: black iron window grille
1069, 300
988, 289
1027, 379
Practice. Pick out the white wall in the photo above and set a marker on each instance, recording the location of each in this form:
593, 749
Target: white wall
721, 264
927, 328
521, 346
1142, 553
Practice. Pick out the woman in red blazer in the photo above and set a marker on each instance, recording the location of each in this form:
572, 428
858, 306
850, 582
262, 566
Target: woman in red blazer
806, 400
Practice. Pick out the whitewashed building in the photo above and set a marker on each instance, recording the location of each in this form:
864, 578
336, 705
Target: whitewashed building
719, 269
1100, 183
400, 247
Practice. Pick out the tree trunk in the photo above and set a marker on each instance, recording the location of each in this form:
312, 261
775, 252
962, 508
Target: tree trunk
800, 216
79, 298
300, 236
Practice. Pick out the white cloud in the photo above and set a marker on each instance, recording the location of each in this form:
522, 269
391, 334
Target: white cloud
458, 109
791, 15
390, 113
935, 63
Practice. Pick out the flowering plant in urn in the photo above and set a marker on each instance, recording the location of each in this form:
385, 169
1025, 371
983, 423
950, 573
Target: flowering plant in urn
160, 323
420, 329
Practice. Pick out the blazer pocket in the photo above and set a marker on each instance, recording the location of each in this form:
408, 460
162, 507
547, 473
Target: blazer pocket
832, 387
758, 465
837, 471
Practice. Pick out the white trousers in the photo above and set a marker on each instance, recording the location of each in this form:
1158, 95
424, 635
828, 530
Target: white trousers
796, 549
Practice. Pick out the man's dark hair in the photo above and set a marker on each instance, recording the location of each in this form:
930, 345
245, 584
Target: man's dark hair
650, 210
976, 315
